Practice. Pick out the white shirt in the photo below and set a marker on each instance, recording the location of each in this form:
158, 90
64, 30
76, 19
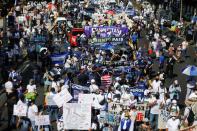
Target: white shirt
172, 125
93, 88
8, 86
32, 112
156, 85
31, 88
155, 109
193, 95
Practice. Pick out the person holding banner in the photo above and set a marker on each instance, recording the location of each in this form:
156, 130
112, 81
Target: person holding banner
32, 113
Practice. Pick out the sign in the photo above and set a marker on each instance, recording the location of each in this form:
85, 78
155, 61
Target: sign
50, 101
138, 90
105, 31
163, 118
140, 112
42, 120
116, 107
62, 97
85, 98
106, 40
77, 116
20, 110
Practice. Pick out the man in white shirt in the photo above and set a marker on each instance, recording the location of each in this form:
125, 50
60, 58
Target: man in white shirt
9, 86
173, 124
156, 84
31, 87
93, 87
32, 113
154, 112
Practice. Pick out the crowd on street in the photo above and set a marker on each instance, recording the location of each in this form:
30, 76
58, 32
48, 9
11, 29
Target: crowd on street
100, 66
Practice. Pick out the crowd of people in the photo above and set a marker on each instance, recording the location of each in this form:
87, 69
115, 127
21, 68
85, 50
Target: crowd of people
122, 74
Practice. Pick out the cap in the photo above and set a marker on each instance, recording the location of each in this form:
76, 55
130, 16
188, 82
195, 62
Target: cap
93, 81
57, 65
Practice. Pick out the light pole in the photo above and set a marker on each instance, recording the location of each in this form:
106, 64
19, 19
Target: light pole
181, 10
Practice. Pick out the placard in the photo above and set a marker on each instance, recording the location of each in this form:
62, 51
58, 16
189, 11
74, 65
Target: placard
42, 120
140, 112
77, 116
20, 110
114, 107
62, 97
163, 118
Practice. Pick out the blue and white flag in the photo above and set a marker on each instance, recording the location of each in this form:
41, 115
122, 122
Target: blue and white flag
58, 58
79, 87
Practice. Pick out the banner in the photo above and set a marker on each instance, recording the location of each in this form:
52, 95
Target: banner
77, 116
105, 31
42, 120
109, 118
20, 110
77, 89
163, 118
106, 40
62, 97
140, 112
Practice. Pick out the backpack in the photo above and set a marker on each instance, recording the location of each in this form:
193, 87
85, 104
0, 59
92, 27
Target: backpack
190, 117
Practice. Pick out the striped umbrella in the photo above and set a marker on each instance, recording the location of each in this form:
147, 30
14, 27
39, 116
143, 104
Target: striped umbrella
190, 70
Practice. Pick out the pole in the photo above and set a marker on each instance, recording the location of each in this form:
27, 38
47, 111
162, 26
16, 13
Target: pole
4, 31
181, 10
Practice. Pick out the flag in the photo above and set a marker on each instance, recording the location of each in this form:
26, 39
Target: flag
58, 58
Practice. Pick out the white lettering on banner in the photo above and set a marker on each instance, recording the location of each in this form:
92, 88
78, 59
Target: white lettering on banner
20, 110
50, 101
77, 116
163, 118
62, 97
42, 120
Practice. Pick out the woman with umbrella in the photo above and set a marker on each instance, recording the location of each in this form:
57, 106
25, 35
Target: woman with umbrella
191, 72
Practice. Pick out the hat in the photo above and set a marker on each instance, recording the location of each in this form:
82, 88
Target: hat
174, 102
126, 114
57, 65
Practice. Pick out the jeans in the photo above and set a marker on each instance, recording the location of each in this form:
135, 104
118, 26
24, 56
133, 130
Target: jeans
154, 121
53, 110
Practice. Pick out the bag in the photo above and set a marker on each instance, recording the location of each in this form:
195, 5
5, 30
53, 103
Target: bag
190, 117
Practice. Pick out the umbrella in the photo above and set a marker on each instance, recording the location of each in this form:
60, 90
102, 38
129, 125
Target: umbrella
51, 6
110, 12
190, 71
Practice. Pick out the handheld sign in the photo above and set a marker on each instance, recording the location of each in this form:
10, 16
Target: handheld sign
62, 97
163, 118
20, 110
42, 120
77, 116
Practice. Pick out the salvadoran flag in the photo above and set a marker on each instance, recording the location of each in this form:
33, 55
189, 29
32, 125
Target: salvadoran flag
58, 58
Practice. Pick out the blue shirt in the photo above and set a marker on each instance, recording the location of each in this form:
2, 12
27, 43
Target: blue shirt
161, 59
